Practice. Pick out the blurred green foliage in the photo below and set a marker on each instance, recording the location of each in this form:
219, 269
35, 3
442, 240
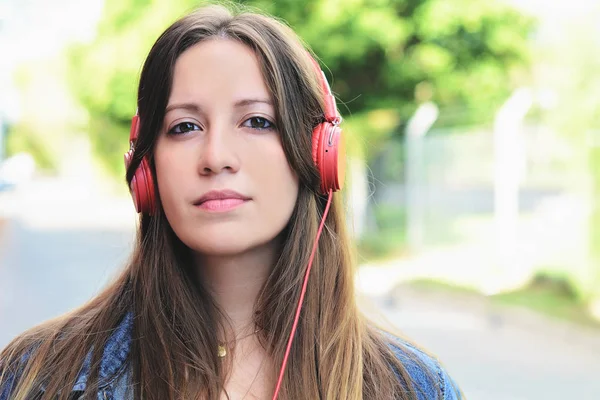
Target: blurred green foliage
383, 57
49, 113
572, 75
389, 240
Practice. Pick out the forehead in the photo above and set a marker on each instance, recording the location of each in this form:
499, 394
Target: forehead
217, 67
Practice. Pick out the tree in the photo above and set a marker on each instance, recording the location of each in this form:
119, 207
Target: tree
569, 59
463, 52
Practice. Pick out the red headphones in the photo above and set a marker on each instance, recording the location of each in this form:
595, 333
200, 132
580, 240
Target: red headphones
142, 184
328, 153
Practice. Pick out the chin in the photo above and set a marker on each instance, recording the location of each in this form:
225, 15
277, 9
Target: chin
216, 249
224, 245
228, 239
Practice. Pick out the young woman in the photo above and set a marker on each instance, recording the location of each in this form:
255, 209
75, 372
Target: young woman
235, 155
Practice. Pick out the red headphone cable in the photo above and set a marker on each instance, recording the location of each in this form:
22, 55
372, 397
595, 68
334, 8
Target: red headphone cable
299, 307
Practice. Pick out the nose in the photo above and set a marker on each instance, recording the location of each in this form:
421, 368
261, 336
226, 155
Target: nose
218, 152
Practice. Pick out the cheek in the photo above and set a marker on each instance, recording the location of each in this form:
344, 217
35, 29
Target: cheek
280, 182
169, 173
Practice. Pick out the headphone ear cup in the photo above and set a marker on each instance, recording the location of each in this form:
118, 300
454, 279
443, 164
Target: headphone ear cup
329, 156
142, 186
316, 142
142, 183
144, 193
133, 185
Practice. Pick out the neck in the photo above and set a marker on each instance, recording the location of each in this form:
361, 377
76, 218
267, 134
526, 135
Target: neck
235, 282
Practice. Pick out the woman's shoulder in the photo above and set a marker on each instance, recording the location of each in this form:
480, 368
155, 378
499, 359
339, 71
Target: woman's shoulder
429, 377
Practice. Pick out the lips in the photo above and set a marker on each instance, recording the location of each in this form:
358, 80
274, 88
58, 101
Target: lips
221, 195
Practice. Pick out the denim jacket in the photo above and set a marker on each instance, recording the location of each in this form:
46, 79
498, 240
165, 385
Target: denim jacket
114, 371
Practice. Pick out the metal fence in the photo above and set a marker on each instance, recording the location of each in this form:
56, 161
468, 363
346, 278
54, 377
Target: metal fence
452, 202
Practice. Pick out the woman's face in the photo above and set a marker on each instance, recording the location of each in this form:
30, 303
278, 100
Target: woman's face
225, 184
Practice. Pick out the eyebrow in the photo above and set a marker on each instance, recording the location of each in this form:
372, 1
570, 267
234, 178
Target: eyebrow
196, 108
247, 102
182, 106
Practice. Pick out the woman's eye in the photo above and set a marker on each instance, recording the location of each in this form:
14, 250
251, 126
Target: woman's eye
258, 123
183, 127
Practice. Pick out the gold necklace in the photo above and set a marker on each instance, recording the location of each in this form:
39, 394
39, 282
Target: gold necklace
222, 350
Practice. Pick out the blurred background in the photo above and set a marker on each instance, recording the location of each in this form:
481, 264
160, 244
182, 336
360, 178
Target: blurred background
473, 129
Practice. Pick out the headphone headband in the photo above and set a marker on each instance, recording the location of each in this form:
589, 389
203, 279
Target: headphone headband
135, 127
331, 112
327, 152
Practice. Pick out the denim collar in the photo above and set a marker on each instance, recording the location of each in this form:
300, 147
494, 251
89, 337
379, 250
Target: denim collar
113, 359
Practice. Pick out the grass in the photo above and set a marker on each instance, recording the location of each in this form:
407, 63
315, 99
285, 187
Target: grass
438, 286
549, 296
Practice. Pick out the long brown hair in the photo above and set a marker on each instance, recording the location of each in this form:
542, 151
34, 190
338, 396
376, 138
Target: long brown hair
337, 352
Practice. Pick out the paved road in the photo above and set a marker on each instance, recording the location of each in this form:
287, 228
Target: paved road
498, 354
45, 271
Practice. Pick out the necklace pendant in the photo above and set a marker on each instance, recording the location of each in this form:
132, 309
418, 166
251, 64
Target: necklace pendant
222, 351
